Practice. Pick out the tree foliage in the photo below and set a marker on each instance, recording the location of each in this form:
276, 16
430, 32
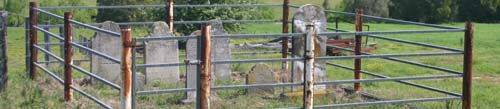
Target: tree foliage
479, 10
431, 11
182, 14
370, 7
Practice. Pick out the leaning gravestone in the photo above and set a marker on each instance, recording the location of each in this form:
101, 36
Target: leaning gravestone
111, 46
262, 74
309, 15
164, 51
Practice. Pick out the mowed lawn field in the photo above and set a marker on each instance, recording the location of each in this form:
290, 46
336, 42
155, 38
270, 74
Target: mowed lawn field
46, 93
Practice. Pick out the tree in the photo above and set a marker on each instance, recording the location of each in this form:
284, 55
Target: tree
430, 11
479, 10
370, 7
16, 8
123, 15
180, 14
79, 15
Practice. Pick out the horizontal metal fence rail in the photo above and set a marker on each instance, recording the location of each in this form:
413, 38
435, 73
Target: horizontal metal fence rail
392, 20
158, 38
388, 55
175, 22
49, 14
232, 36
399, 81
49, 33
149, 92
95, 28
75, 60
161, 64
406, 101
105, 56
109, 83
81, 43
160, 6
256, 86
141, 39
79, 23
332, 34
91, 97
408, 42
257, 60
407, 62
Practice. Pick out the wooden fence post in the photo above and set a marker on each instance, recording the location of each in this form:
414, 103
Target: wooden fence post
357, 50
468, 61
309, 67
170, 14
126, 68
33, 15
284, 44
203, 85
68, 56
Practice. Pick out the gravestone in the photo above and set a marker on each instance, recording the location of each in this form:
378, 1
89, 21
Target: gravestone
221, 50
3, 50
111, 46
262, 74
163, 51
309, 15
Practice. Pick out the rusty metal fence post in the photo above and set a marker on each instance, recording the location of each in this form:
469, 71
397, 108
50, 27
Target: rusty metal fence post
468, 59
357, 50
126, 92
33, 39
68, 56
203, 85
170, 14
309, 67
284, 44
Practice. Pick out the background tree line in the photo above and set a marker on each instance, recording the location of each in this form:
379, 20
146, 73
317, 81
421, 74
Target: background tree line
430, 11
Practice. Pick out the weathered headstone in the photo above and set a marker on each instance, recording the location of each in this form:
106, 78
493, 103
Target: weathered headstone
111, 46
3, 50
262, 74
221, 50
164, 51
309, 15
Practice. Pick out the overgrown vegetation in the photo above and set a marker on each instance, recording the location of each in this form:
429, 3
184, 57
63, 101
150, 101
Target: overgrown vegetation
430, 11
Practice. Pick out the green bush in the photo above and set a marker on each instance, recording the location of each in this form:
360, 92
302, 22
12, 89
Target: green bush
183, 14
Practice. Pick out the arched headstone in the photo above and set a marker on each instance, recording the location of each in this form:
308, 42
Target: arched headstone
111, 46
309, 15
162, 51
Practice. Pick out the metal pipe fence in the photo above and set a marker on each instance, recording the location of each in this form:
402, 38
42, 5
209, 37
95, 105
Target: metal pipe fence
131, 65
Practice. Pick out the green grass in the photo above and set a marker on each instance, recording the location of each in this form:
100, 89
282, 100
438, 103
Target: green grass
46, 93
